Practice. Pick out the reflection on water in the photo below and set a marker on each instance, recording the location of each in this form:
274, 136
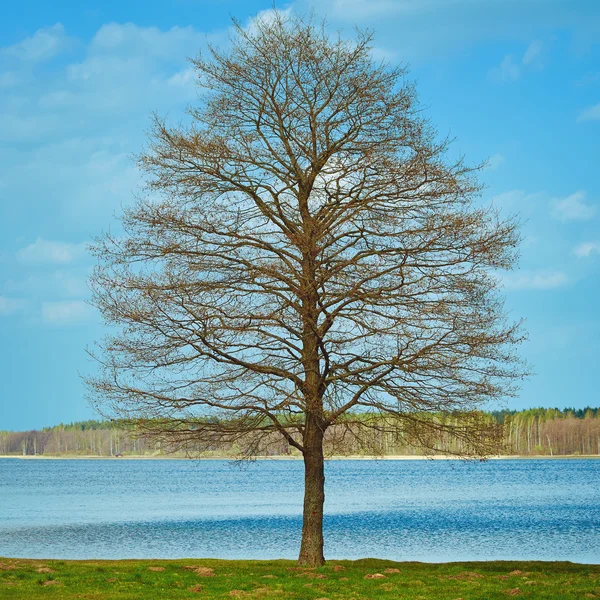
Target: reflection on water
402, 510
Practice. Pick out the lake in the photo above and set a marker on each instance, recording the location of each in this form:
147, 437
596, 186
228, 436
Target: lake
401, 510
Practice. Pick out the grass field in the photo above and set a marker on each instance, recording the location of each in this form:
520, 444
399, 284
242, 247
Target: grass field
337, 580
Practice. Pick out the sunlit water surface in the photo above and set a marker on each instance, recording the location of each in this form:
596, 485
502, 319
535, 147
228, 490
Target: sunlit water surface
401, 510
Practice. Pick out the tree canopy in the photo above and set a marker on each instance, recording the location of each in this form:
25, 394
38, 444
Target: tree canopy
305, 251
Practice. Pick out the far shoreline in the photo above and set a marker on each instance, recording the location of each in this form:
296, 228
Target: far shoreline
401, 457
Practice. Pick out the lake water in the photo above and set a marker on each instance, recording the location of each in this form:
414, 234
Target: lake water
401, 510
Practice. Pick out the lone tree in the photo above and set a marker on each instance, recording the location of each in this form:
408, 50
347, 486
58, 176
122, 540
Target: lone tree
307, 257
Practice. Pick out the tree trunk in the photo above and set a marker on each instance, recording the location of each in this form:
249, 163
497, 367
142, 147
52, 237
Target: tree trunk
311, 548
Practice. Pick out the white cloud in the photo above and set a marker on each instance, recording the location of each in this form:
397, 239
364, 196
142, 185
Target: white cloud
519, 201
53, 252
416, 29
543, 280
43, 45
123, 75
184, 78
357, 9
532, 53
84, 180
511, 69
19, 128
66, 312
9, 306
590, 114
587, 248
507, 71
530, 241
495, 161
267, 16
510, 198
63, 283
572, 208
380, 54
68, 136
129, 39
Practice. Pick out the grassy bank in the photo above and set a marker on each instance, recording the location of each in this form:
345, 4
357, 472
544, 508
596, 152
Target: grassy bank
338, 580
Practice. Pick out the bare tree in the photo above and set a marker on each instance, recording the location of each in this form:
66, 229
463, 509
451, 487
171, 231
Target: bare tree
306, 256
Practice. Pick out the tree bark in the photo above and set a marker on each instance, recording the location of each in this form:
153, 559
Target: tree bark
311, 548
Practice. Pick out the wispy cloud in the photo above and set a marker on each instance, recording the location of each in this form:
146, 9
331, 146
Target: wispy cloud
43, 45
532, 53
495, 161
591, 113
586, 249
507, 71
572, 208
184, 78
519, 202
62, 283
266, 16
66, 312
79, 127
9, 306
356, 9
416, 29
540, 280
511, 68
51, 252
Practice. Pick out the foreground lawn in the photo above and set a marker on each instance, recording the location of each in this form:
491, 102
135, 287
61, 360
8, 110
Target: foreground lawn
359, 580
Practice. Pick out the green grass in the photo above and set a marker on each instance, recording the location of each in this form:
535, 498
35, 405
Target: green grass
281, 579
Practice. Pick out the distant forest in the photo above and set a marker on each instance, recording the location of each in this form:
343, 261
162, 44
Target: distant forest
540, 431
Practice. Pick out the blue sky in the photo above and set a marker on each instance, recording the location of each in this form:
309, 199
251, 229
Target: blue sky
515, 81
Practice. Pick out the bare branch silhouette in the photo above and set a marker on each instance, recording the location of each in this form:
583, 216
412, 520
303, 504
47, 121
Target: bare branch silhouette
306, 251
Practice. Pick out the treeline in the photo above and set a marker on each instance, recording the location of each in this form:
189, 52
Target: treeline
540, 431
